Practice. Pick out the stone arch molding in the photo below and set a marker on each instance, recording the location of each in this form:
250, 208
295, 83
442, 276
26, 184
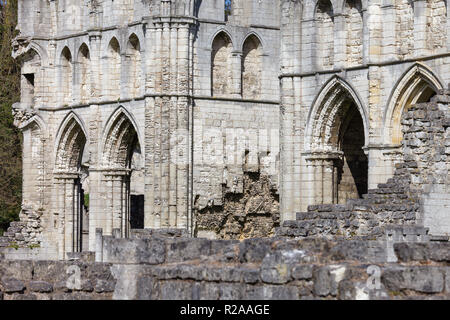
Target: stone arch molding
248, 36
407, 90
218, 32
323, 114
117, 138
72, 139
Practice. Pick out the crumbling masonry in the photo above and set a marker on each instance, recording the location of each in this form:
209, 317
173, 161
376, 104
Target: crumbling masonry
280, 119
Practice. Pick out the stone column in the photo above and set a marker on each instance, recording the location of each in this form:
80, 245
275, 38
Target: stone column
420, 27
236, 65
168, 123
388, 40
309, 46
340, 41
66, 210
328, 185
95, 38
117, 214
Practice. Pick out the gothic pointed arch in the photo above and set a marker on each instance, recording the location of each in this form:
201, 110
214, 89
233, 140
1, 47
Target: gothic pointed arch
354, 30
335, 94
221, 71
251, 67
70, 145
133, 61
418, 84
84, 73
112, 68
66, 76
336, 135
121, 140
324, 34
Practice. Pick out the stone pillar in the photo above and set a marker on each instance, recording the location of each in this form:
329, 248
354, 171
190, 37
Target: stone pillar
236, 65
321, 180
420, 27
65, 208
286, 147
328, 185
340, 41
95, 38
168, 122
117, 216
309, 46
369, 33
97, 202
388, 40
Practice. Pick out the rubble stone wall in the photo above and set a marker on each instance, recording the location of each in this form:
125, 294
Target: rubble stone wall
158, 267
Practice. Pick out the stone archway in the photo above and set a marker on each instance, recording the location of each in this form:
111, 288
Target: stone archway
121, 165
418, 84
68, 191
336, 163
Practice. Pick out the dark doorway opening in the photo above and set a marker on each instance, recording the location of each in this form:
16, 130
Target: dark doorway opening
353, 177
137, 211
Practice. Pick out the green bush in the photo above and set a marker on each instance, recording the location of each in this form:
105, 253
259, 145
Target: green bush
10, 137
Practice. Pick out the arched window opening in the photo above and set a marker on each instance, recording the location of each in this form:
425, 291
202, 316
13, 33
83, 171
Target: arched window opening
325, 34
84, 74
251, 68
221, 65
66, 74
133, 58
113, 70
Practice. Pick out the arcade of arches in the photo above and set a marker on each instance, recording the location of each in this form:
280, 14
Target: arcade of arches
121, 203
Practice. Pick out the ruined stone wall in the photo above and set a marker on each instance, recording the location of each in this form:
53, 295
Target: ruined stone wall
394, 39
160, 268
408, 198
235, 169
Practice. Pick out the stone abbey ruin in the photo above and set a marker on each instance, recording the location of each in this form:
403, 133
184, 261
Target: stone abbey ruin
252, 149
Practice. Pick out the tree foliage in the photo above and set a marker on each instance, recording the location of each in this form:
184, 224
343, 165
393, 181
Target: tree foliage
10, 138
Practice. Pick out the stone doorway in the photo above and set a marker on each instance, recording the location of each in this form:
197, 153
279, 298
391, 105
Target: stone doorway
353, 167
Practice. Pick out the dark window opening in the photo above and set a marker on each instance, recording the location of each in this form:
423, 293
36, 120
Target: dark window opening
28, 90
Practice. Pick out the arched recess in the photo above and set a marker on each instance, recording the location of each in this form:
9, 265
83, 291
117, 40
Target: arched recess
418, 84
66, 76
112, 70
324, 28
31, 78
134, 61
336, 135
354, 27
251, 67
123, 174
84, 73
72, 215
221, 68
